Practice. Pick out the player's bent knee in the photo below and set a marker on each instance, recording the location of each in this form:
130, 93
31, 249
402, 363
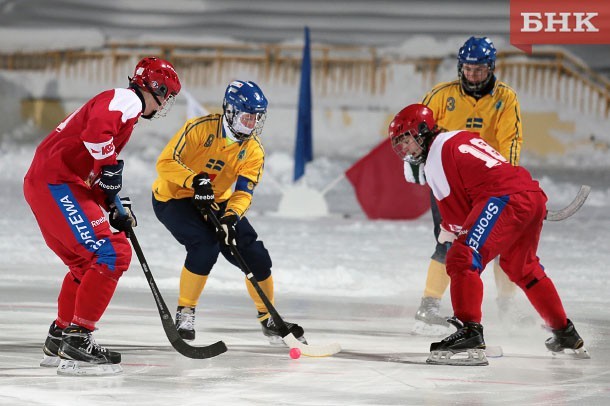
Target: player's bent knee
461, 258
200, 262
116, 256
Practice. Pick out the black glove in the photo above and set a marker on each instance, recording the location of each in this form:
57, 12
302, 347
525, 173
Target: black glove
204, 194
121, 222
227, 234
111, 179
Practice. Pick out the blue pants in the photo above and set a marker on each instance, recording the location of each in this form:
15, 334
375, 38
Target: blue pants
198, 236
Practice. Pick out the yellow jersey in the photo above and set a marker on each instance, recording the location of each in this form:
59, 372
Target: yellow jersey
201, 145
495, 116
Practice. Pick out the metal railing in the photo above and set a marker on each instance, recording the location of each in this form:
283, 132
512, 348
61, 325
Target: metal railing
336, 70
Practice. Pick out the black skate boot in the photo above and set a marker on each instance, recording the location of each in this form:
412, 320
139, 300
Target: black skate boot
81, 355
51, 346
567, 339
185, 322
467, 340
428, 320
271, 331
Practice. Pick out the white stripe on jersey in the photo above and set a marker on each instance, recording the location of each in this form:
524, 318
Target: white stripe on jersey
127, 102
100, 150
435, 173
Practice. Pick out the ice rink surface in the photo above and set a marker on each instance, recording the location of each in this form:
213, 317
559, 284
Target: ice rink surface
381, 362
345, 280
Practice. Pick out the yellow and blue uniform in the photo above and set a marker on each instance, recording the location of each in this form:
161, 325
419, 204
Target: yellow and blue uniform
202, 145
496, 116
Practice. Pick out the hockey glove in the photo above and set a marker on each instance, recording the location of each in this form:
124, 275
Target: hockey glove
111, 179
415, 173
446, 236
121, 222
204, 194
227, 234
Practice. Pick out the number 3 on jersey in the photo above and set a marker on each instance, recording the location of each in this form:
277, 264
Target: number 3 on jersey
483, 151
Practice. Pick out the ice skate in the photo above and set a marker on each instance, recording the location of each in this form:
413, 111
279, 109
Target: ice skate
81, 355
51, 346
567, 342
464, 347
272, 333
428, 321
185, 322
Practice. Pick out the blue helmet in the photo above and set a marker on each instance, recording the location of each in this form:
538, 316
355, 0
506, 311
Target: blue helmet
245, 109
476, 51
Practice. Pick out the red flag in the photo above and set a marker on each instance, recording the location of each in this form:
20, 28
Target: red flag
381, 188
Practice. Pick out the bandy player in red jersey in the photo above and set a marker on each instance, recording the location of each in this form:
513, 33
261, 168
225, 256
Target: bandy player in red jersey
489, 208
74, 177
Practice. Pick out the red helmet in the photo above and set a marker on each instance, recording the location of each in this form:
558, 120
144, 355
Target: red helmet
417, 121
157, 76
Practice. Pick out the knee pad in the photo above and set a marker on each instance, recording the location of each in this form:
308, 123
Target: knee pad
114, 257
462, 258
256, 257
200, 259
259, 260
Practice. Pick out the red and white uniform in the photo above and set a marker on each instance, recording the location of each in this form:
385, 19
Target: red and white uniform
495, 209
67, 209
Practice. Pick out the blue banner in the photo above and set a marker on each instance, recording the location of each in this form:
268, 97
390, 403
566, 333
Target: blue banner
303, 151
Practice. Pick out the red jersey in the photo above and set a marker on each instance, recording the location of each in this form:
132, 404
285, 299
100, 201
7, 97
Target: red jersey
88, 139
463, 170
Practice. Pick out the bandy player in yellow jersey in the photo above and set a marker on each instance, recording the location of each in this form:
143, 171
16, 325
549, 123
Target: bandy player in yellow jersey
197, 171
478, 102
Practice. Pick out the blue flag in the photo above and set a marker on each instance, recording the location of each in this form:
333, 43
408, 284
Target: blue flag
303, 151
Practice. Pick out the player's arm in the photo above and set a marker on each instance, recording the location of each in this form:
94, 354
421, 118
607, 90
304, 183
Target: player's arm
171, 162
247, 179
509, 130
104, 123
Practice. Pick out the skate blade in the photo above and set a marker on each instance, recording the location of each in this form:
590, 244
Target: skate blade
81, 368
472, 357
50, 362
580, 353
431, 330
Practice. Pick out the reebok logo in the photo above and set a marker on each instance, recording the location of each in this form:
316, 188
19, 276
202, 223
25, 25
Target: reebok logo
535, 22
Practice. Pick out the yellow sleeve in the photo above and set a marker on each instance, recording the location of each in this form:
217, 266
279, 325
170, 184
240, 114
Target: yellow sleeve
248, 177
170, 164
509, 129
436, 100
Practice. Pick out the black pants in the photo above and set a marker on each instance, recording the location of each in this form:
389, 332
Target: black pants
440, 252
198, 236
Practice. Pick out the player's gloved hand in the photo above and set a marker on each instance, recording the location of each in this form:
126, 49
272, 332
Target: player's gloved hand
227, 234
204, 194
122, 222
446, 236
111, 179
414, 173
